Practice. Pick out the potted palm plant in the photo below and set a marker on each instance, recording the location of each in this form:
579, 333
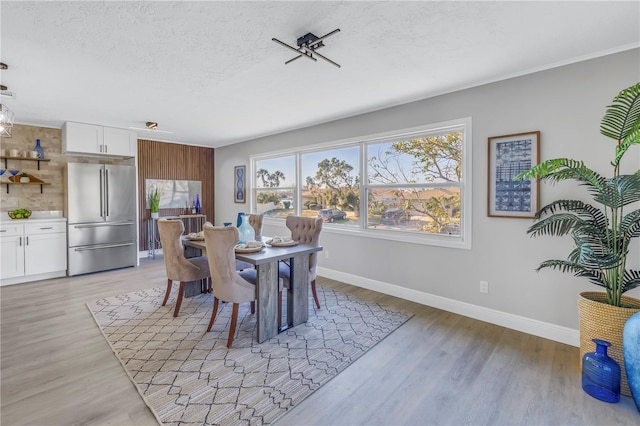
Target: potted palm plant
154, 203
601, 231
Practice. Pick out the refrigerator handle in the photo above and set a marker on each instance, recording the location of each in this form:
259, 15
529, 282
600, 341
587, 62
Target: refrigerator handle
106, 191
101, 195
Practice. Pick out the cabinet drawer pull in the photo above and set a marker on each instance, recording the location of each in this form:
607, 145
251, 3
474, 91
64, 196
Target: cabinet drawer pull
46, 227
3, 230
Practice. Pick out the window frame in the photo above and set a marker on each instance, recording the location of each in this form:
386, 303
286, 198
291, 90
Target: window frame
463, 241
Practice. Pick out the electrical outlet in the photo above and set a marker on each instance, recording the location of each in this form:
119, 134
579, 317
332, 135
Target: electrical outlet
484, 287
326, 254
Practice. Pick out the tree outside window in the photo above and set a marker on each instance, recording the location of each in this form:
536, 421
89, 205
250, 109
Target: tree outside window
274, 184
332, 181
414, 184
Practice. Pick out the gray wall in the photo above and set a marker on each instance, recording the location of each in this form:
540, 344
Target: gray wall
565, 104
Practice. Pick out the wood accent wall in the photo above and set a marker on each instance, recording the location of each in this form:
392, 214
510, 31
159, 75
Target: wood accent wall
163, 160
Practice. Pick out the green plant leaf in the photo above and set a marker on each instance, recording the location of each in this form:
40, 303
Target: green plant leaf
623, 114
559, 169
584, 210
630, 224
631, 280
561, 224
619, 191
632, 138
577, 270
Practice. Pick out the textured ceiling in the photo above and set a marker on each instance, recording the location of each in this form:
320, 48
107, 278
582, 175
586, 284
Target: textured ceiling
208, 71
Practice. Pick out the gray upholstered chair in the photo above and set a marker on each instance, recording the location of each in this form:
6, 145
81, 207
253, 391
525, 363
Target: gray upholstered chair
229, 285
255, 220
305, 230
179, 268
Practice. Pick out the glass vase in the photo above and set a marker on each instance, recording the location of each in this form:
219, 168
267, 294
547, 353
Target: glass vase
631, 347
247, 233
39, 149
601, 374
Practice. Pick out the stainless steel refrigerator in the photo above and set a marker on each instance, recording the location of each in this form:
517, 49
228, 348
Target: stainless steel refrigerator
100, 205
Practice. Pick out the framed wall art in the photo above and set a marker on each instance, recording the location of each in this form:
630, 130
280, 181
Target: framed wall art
508, 156
240, 184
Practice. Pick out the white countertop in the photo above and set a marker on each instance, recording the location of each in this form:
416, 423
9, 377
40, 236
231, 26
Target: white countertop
36, 216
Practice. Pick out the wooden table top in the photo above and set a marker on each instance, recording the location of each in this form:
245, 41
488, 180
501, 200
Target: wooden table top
267, 255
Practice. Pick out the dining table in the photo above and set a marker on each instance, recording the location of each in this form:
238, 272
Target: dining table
267, 292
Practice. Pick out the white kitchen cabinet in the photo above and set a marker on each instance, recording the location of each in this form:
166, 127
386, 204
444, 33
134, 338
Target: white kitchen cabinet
121, 142
82, 138
12, 256
33, 251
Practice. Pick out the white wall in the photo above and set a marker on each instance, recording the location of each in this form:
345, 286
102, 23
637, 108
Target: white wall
566, 105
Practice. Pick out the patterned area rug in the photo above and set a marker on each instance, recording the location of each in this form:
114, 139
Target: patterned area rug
188, 376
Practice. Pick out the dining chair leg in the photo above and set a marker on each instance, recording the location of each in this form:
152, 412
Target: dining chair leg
315, 294
253, 307
179, 301
232, 326
213, 314
166, 294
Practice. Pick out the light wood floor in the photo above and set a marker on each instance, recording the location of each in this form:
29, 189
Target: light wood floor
438, 368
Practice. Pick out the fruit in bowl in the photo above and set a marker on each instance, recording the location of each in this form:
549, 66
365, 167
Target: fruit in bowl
20, 214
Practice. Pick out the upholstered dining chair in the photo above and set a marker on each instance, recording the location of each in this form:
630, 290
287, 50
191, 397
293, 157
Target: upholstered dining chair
255, 220
229, 285
305, 230
178, 267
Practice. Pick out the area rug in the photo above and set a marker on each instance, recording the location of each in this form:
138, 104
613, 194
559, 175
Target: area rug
188, 376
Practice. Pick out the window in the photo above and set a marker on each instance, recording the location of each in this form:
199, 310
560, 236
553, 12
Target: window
331, 187
275, 186
411, 185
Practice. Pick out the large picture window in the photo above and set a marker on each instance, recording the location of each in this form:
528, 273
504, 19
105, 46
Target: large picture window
410, 185
413, 183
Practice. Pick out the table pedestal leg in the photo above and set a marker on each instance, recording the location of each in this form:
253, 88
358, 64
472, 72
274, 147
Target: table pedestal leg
298, 294
267, 295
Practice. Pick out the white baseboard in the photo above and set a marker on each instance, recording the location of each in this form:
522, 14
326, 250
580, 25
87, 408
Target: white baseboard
546, 330
30, 278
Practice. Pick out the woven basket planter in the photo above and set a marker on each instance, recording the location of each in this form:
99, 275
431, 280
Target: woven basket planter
599, 320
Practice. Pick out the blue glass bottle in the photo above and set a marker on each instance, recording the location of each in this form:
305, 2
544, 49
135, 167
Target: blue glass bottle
39, 149
601, 374
197, 203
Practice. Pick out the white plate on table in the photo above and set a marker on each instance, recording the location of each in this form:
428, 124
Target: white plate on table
282, 243
243, 249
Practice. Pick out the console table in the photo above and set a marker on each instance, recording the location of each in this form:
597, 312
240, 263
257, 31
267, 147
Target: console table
192, 223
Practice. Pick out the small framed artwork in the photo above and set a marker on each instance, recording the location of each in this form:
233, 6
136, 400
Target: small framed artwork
510, 155
240, 184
